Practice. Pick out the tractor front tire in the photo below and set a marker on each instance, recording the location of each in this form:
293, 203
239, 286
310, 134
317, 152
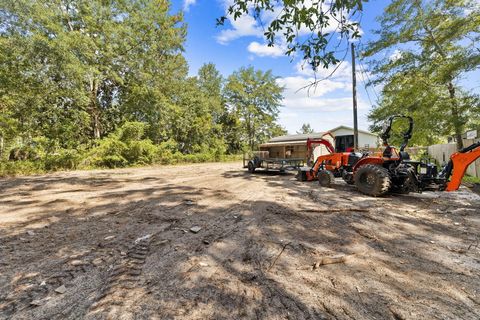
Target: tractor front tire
251, 167
373, 180
325, 178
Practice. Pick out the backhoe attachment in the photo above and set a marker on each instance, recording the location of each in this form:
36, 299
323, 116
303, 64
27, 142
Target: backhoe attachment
458, 164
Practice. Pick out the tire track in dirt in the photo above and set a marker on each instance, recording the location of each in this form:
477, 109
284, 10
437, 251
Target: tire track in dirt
121, 282
186, 275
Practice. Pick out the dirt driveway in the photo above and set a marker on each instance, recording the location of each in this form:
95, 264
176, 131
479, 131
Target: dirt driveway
121, 245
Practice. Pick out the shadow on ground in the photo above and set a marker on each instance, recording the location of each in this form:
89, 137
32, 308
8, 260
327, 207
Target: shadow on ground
131, 253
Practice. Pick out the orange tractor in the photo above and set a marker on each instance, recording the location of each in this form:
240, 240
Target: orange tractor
393, 170
327, 167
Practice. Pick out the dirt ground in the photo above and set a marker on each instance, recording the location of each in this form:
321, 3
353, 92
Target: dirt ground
118, 245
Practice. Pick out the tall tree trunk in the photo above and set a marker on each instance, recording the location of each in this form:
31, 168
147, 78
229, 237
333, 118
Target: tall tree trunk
457, 124
252, 137
249, 130
1, 146
94, 110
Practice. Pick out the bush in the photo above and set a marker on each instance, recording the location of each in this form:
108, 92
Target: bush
108, 153
66, 159
124, 147
12, 168
167, 152
112, 161
23, 153
131, 131
140, 152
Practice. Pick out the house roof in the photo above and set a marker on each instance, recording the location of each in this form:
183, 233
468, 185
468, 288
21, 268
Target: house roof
296, 138
350, 128
282, 143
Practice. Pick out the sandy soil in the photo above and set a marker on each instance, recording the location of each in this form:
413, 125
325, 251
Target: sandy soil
118, 245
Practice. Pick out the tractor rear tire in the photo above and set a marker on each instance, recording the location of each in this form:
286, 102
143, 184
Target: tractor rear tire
325, 178
251, 167
373, 180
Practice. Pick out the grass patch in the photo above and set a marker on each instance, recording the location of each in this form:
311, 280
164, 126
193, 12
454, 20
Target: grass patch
470, 179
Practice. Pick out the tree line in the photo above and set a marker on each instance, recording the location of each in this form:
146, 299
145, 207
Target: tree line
106, 82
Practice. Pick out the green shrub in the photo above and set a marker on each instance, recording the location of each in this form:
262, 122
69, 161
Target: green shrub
66, 159
167, 152
470, 179
26, 152
140, 152
124, 148
12, 168
108, 153
131, 131
112, 161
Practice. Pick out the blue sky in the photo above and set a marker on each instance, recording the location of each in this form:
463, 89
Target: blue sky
240, 43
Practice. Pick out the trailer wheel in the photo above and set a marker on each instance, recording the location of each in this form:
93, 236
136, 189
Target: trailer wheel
373, 180
325, 178
251, 167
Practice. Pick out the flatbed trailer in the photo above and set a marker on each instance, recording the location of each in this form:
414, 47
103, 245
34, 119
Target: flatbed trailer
260, 159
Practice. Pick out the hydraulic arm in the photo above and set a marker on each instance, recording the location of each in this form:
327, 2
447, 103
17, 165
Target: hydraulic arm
459, 163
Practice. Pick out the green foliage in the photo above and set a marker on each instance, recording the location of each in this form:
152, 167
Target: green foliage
293, 19
11, 168
140, 152
66, 159
125, 146
104, 84
131, 131
435, 43
306, 128
108, 153
255, 97
470, 179
66, 67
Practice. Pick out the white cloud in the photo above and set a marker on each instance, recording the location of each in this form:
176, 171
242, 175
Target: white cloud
339, 72
299, 96
325, 106
263, 50
397, 54
298, 86
242, 27
188, 3
322, 114
247, 25
343, 71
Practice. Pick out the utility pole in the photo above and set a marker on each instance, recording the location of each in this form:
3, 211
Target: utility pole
354, 86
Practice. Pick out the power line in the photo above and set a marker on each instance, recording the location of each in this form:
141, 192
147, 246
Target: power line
362, 69
365, 85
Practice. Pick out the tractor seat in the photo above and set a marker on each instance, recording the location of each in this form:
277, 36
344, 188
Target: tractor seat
406, 159
387, 153
404, 155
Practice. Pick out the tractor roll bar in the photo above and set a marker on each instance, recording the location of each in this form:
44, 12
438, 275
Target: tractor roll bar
406, 135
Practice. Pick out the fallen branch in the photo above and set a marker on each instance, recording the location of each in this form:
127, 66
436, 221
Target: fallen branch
342, 258
330, 260
278, 256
